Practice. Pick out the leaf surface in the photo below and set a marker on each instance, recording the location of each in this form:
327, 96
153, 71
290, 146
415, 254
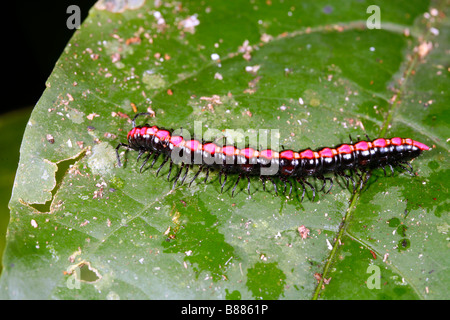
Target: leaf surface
309, 73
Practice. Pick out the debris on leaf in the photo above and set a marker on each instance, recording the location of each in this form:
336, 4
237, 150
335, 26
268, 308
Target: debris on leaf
303, 231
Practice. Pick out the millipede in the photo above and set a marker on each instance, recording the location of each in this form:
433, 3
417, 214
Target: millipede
345, 160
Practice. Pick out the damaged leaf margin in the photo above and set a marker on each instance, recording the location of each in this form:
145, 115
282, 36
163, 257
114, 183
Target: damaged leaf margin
49, 176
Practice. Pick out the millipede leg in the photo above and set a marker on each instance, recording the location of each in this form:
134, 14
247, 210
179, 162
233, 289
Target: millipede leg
274, 185
368, 175
141, 152
224, 181
170, 169
410, 167
360, 179
285, 186
177, 176
162, 164
220, 176
353, 180
235, 185
303, 189
410, 171
284, 181
312, 188
392, 169
145, 161
343, 175
117, 152
133, 122
347, 179
331, 184
154, 159
196, 175
322, 178
185, 174
207, 175
263, 180
290, 188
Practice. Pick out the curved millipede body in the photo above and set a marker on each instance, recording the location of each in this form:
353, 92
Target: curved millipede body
287, 165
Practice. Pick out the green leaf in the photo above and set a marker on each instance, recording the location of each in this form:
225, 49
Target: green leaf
82, 227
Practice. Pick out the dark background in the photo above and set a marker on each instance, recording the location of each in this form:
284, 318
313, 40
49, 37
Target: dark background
34, 34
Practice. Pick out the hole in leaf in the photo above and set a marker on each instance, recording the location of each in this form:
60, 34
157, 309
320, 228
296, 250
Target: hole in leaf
63, 167
87, 273
84, 272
